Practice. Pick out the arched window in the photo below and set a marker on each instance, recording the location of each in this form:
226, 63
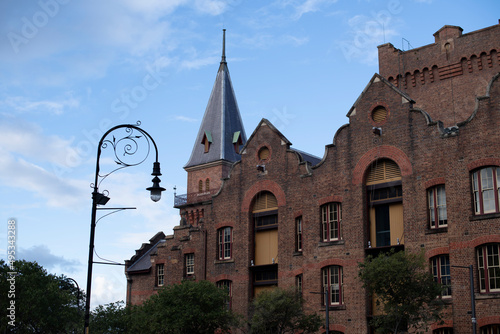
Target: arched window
224, 243
227, 286
438, 216
331, 216
332, 282
488, 263
200, 186
207, 184
490, 329
441, 271
265, 217
385, 202
486, 190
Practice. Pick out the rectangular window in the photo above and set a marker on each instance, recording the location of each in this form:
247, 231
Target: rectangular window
226, 286
224, 237
488, 260
160, 274
331, 217
437, 207
332, 282
298, 234
441, 273
189, 258
486, 190
298, 283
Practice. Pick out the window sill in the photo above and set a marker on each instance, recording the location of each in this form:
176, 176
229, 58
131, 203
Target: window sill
297, 253
436, 230
330, 243
488, 295
334, 307
223, 261
485, 216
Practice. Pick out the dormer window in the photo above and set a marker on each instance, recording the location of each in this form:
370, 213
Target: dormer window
207, 140
237, 141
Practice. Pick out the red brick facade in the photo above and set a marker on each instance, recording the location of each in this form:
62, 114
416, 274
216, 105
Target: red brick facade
428, 154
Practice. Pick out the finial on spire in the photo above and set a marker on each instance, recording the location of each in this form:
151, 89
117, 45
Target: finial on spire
223, 60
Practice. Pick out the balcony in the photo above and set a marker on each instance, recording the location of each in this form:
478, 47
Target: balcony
193, 198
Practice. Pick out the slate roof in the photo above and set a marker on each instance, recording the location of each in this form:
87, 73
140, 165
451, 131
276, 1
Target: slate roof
142, 260
221, 122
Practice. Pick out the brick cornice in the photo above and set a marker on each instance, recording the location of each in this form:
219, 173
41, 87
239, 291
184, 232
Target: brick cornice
434, 182
329, 199
483, 162
383, 151
265, 185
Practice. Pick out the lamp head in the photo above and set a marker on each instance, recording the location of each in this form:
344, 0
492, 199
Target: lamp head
156, 189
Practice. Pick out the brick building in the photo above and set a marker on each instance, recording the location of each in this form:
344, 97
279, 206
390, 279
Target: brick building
416, 167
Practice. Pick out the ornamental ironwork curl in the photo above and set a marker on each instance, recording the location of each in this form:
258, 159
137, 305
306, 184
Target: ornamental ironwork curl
126, 149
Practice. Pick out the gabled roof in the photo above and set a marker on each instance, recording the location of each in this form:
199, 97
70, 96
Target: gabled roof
376, 78
312, 159
221, 122
141, 261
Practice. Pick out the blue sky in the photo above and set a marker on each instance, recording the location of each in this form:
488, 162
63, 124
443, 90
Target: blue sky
70, 70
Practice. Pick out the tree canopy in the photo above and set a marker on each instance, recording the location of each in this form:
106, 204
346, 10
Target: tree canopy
43, 302
279, 311
186, 308
404, 289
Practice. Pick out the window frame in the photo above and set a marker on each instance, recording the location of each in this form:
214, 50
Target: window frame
331, 225
490, 329
298, 233
189, 264
440, 275
434, 207
299, 281
160, 274
225, 243
485, 268
478, 190
226, 284
326, 278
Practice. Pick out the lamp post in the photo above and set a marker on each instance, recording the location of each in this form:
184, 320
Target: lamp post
327, 306
472, 297
129, 144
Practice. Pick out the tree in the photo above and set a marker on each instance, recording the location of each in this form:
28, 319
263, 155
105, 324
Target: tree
186, 308
39, 302
279, 311
111, 318
403, 288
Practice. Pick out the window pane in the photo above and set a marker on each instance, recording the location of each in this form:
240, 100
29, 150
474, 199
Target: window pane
487, 190
432, 208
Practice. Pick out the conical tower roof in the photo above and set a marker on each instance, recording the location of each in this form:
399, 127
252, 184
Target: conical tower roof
221, 132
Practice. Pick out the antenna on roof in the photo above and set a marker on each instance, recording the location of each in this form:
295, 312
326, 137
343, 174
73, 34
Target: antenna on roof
223, 60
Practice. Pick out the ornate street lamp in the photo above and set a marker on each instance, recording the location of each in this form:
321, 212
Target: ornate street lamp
125, 150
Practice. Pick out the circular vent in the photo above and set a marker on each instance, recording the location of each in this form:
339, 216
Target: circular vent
264, 154
379, 114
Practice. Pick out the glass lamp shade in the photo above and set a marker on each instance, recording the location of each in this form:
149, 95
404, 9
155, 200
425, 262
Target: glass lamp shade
156, 189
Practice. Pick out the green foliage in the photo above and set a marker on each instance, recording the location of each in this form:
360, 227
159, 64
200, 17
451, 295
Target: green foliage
111, 318
280, 311
405, 290
44, 303
187, 308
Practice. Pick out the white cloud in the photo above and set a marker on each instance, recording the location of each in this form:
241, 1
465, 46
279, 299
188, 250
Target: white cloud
25, 105
365, 34
310, 6
200, 62
28, 140
43, 256
186, 119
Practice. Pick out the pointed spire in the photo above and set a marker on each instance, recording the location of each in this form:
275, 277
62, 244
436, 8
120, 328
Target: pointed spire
221, 132
223, 60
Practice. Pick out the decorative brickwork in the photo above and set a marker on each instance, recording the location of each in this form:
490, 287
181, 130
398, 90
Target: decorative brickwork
424, 91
